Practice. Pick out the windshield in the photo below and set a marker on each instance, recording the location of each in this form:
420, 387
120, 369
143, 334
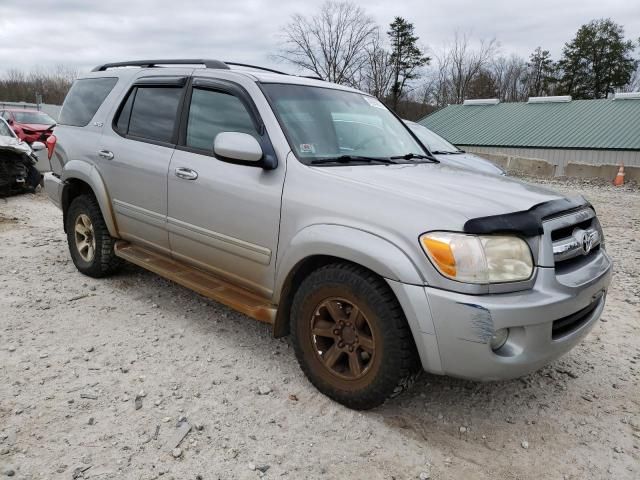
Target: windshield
40, 118
5, 131
323, 123
434, 142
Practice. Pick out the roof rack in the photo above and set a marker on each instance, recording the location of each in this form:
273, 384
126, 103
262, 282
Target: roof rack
235, 64
154, 63
217, 64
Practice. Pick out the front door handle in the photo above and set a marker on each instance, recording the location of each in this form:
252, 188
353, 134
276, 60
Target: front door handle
106, 154
186, 173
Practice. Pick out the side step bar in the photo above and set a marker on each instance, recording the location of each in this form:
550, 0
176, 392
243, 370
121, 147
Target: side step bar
199, 281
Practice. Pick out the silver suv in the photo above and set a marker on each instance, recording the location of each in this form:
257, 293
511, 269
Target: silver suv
313, 208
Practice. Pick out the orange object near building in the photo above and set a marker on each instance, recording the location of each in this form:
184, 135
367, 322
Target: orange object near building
619, 180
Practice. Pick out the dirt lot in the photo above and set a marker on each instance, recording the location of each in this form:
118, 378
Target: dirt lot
76, 352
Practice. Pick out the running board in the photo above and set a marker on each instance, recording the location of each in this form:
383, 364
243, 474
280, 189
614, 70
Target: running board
199, 281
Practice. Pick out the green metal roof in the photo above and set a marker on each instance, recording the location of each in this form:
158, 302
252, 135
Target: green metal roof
580, 124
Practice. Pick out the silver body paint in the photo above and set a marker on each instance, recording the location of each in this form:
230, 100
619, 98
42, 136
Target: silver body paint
253, 227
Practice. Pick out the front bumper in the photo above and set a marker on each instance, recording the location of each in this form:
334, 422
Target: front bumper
462, 325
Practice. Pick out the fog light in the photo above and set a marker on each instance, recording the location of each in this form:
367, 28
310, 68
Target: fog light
499, 339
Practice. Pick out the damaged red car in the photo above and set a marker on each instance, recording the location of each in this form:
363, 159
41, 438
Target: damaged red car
29, 125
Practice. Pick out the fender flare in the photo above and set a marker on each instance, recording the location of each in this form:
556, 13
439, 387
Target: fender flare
358, 246
77, 169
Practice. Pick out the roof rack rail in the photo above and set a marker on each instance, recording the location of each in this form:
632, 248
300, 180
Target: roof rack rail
235, 64
217, 64
154, 63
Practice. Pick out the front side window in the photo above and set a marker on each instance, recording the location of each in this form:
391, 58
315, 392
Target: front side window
212, 112
83, 100
323, 123
150, 113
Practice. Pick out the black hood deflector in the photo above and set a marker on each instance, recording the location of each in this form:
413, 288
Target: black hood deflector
527, 222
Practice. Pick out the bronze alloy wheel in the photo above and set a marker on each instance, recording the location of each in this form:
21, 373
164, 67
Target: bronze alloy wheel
342, 338
351, 337
90, 245
85, 237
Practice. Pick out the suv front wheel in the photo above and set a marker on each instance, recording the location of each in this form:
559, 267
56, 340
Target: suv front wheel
90, 244
351, 337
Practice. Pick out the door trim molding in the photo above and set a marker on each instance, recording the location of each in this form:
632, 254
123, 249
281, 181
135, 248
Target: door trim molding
140, 214
235, 246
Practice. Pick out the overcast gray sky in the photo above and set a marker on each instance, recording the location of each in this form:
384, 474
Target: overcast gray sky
83, 33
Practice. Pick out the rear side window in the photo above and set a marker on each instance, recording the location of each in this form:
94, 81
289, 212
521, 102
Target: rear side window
150, 113
84, 99
212, 112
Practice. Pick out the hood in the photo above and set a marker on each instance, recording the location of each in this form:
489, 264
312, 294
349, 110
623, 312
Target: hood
451, 190
468, 160
14, 144
36, 127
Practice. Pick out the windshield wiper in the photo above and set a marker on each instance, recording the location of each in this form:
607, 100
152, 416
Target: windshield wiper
447, 152
351, 159
417, 156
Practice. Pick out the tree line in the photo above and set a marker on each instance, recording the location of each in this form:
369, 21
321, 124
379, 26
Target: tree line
50, 85
341, 43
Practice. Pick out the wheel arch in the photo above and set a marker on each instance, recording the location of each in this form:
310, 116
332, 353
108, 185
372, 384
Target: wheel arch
82, 178
319, 245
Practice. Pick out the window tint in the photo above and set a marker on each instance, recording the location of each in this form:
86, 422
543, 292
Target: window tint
84, 99
122, 125
212, 112
153, 115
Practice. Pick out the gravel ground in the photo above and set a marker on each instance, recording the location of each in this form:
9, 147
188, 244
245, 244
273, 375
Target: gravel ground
97, 375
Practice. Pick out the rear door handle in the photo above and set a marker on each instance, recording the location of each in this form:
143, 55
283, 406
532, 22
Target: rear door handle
186, 173
106, 154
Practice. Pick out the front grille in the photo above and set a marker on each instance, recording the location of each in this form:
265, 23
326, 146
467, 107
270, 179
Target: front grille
565, 232
575, 238
567, 325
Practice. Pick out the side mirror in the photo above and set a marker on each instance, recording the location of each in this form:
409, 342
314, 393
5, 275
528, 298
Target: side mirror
37, 146
237, 146
10, 121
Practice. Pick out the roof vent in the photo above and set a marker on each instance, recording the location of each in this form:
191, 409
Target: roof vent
557, 99
627, 96
482, 101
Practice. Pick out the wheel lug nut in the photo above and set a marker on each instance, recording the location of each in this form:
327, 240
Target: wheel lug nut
351, 348
340, 344
336, 331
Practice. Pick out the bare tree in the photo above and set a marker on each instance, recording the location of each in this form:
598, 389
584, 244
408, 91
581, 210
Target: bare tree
467, 62
437, 88
332, 43
376, 74
509, 77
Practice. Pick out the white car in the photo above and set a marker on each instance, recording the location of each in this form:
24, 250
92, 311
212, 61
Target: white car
450, 154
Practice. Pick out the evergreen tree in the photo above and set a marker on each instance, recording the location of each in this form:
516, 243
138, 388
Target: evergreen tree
597, 60
406, 57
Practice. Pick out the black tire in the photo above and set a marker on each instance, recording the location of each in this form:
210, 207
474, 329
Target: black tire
103, 262
394, 365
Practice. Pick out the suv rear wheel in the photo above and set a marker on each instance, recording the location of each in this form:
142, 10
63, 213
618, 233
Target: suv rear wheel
351, 337
90, 244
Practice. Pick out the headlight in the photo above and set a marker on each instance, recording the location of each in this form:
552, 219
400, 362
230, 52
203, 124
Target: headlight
478, 258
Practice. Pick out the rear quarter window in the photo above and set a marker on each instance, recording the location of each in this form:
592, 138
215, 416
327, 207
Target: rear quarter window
84, 99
